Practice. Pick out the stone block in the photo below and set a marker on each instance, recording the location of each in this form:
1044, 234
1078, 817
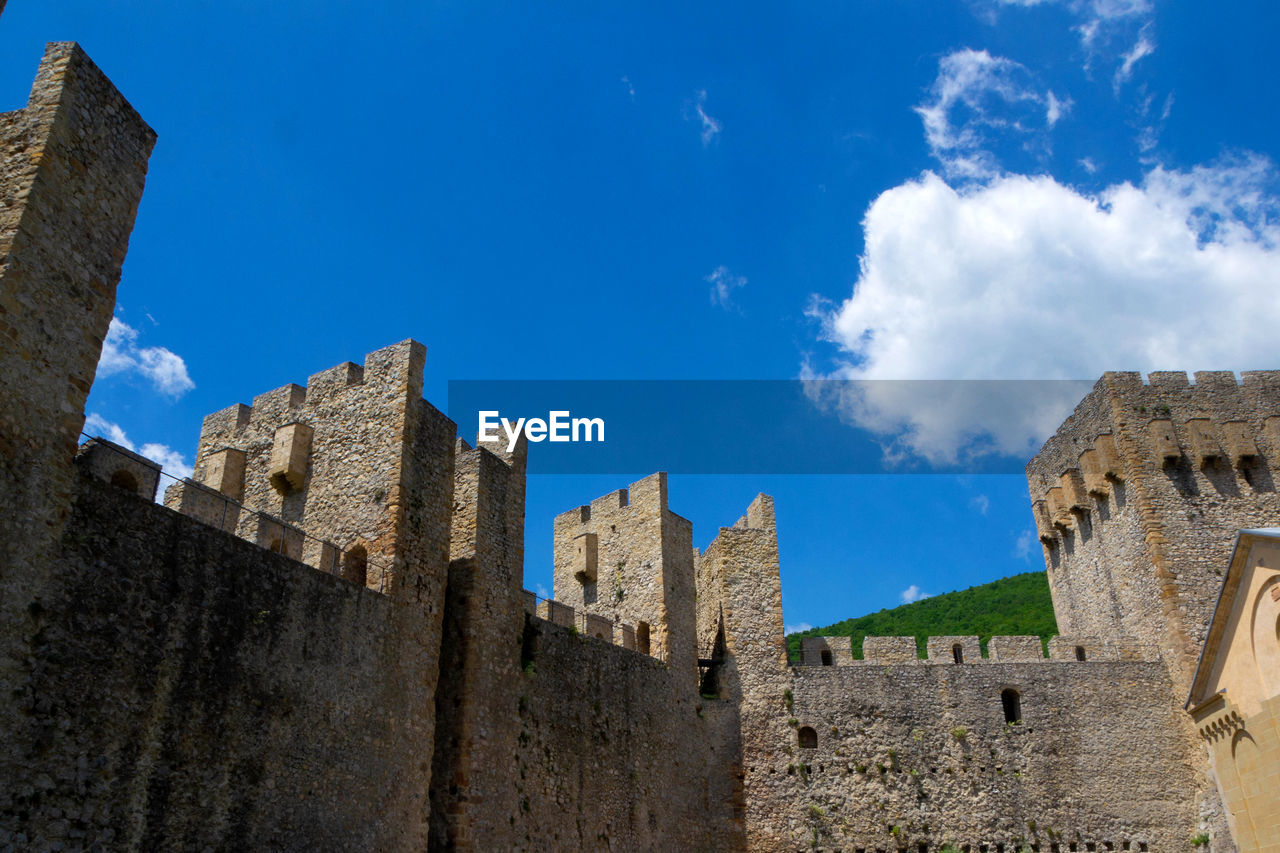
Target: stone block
598, 627
826, 651
1073, 490
272, 534
1164, 441
889, 650
1108, 457
1044, 524
202, 503
556, 613
1095, 482
1059, 510
289, 455
1237, 437
224, 472
954, 650
585, 555
1204, 441
1009, 649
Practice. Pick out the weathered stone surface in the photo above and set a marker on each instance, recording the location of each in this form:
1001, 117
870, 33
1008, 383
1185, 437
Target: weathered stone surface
380, 681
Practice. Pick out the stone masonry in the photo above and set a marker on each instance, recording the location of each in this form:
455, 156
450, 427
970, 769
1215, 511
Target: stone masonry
322, 640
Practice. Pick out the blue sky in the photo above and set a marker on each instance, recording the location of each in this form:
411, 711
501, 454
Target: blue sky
901, 189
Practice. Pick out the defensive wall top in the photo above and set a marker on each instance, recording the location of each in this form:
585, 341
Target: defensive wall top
837, 651
1126, 423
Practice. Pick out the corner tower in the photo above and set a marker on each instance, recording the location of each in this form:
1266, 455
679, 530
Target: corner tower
1138, 498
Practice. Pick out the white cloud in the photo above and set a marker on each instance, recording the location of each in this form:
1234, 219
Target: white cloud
975, 98
541, 591
797, 628
697, 109
1088, 165
1027, 278
981, 503
1142, 48
1024, 546
723, 284
173, 462
631, 90
121, 354
912, 593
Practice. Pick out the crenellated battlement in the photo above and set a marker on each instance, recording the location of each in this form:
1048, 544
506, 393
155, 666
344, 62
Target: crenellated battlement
325, 462
622, 634
1135, 499
950, 651
626, 559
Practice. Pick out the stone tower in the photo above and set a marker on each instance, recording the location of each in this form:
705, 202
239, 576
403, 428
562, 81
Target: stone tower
627, 560
1138, 498
72, 167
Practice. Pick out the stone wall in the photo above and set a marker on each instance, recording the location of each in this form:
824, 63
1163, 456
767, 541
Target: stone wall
186, 689
614, 754
740, 620
918, 755
472, 799
72, 167
1138, 498
1140, 553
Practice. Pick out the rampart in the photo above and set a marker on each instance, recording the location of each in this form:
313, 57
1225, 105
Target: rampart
187, 689
919, 755
614, 753
73, 162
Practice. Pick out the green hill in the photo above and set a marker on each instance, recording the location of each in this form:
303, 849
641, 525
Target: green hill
1018, 605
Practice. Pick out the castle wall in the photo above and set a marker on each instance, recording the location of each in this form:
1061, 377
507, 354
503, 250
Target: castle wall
614, 754
471, 797
740, 619
187, 689
72, 164
1140, 552
1195, 464
918, 755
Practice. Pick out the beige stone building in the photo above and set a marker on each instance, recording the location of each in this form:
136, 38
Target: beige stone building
1235, 696
321, 640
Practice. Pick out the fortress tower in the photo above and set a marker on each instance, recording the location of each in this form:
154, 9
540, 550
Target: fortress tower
1138, 498
324, 473
626, 561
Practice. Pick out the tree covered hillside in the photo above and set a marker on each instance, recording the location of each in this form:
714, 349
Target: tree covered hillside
1018, 605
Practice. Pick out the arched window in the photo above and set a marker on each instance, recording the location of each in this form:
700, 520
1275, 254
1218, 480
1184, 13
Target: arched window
1080, 655
1012, 703
355, 565
125, 480
957, 653
642, 638
827, 660
808, 738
